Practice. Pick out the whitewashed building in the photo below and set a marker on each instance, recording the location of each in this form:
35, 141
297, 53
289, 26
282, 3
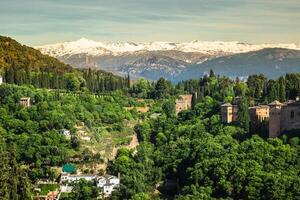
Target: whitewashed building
66, 133
69, 178
1, 80
107, 183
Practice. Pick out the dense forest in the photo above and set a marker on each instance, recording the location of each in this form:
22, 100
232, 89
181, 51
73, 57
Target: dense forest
30, 139
189, 156
195, 156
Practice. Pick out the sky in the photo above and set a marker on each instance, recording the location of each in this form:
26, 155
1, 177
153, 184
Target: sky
38, 22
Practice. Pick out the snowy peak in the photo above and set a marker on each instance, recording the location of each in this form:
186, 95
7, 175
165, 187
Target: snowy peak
86, 46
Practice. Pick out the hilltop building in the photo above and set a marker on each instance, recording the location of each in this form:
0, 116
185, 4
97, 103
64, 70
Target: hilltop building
184, 103
259, 113
229, 113
282, 117
25, 102
274, 121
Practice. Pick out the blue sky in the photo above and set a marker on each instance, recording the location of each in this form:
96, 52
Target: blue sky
36, 22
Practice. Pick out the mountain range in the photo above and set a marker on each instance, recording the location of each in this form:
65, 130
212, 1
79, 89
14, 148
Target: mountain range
178, 61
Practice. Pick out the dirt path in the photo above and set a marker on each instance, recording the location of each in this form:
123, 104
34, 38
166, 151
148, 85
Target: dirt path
132, 145
134, 142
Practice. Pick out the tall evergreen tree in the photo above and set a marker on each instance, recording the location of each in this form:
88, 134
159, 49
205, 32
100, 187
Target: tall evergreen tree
128, 80
212, 74
161, 88
4, 171
243, 114
194, 99
281, 89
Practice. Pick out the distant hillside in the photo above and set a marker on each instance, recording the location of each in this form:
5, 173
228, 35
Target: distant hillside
273, 62
152, 67
13, 54
20, 64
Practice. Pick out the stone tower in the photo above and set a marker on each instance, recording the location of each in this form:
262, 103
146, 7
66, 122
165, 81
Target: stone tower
275, 118
229, 113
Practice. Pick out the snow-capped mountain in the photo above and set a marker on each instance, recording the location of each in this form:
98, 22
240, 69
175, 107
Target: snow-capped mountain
94, 48
154, 59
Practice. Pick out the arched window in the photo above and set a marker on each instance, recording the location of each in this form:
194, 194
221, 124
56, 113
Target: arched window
292, 114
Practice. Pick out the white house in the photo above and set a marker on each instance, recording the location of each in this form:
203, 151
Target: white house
108, 189
1, 80
66, 133
101, 181
69, 178
107, 183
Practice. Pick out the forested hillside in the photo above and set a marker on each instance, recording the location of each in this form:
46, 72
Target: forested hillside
196, 156
32, 146
13, 54
20, 64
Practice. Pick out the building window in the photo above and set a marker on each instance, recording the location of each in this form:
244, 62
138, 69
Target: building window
292, 114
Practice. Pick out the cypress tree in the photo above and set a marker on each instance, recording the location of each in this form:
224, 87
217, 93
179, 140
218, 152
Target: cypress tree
14, 173
281, 89
128, 80
243, 114
4, 171
194, 100
212, 74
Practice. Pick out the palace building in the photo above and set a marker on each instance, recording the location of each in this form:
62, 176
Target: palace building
282, 117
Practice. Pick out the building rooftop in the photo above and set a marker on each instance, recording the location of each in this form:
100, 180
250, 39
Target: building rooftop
259, 106
109, 184
80, 175
294, 103
289, 102
226, 105
275, 103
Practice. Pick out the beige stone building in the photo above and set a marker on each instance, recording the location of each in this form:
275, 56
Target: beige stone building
25, 101
184, 103
284, 117
259, 113
275, 117
229, 113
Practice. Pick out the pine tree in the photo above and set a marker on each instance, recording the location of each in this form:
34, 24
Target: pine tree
194, 100
212, 74
281, 89
243, 114
128, 80
4, 171
14, 173
24, 188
